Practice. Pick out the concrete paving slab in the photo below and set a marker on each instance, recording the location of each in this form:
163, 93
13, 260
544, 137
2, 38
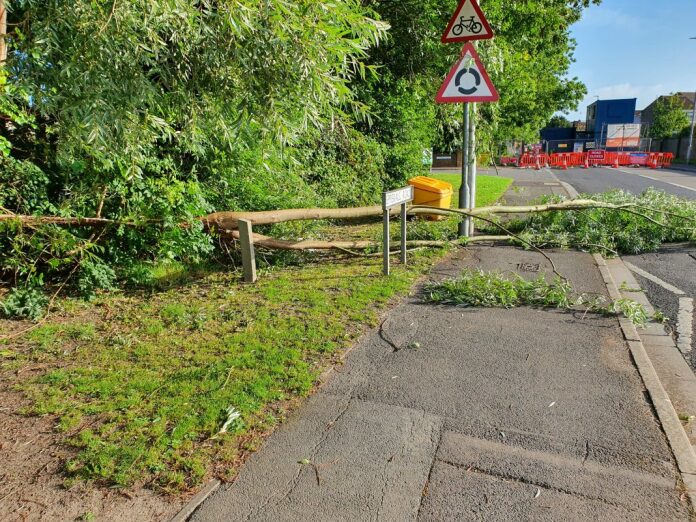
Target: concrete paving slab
361, 461
456, 493
578, 477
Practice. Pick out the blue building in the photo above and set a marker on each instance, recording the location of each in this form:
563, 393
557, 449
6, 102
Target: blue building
605, 112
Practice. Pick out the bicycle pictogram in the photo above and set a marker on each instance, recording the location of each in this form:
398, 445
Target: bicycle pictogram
470, 24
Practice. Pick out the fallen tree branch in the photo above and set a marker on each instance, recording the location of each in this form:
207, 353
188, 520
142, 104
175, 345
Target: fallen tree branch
227, 221
510, 234
312, 244
71, 221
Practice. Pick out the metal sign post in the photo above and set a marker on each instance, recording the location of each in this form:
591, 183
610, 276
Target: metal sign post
467, 82
464, 189
472, 165
390, 199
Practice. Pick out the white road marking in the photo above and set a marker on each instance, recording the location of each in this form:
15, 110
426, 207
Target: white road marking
685, 321
656, 179
654, 279
685, 315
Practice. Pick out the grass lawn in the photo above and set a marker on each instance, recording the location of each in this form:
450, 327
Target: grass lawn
141, 383
488, 188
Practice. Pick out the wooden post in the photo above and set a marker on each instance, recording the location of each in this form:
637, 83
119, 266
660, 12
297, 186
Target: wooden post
248, 258
3, 32
403, 233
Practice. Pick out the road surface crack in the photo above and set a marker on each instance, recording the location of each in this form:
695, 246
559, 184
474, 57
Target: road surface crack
295, 480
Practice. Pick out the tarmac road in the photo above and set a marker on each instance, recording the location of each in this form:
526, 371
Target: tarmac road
448, 413
636, 181
674, 265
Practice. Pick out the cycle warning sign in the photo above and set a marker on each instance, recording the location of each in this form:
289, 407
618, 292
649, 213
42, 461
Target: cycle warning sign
468, 81
468, 23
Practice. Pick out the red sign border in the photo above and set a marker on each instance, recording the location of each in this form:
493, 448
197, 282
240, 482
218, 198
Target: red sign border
459, 39
468, 48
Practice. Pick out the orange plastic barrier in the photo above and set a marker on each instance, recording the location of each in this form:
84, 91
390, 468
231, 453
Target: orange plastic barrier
533, 161
661, 159
564, 160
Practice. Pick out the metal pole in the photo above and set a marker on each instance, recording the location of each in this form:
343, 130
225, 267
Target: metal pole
403, 233
691, 136
472, 164
464, 188
385, 231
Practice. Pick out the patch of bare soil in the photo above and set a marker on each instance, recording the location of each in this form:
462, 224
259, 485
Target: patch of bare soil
32, 482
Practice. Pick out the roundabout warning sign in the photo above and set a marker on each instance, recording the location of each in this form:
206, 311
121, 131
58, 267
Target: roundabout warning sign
467, 81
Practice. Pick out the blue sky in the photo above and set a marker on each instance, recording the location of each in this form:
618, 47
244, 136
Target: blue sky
635, 49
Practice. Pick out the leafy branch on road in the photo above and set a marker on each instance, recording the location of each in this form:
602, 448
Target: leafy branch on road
476, 288
638, 224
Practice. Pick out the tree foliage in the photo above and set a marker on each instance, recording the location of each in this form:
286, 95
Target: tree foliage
528, 61
669, 118
168, 109
559, 120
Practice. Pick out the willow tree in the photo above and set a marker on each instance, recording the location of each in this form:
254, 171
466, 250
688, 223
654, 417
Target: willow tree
134, 106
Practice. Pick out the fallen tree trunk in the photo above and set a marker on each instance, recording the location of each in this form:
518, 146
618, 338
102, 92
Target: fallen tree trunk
227, 221
311, 244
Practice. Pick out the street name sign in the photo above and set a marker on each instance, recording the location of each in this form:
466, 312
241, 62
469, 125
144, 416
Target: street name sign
467, 23
390, 199
396, 197
468, 81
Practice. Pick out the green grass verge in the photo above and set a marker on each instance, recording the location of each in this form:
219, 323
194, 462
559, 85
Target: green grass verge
141, 384
488, 188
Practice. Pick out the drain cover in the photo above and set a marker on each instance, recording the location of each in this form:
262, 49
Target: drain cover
528, 267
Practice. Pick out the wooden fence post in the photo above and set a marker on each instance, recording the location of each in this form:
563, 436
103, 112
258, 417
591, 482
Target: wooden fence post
248, 257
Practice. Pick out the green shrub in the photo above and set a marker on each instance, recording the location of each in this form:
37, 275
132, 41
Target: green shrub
345, 168
23, 187
24, 303
94, 275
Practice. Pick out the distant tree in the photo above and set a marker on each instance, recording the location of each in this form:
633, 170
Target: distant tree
669, 118
558, 120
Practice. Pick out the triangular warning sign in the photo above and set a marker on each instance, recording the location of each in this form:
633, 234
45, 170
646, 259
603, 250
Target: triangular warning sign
468, 23
468, 81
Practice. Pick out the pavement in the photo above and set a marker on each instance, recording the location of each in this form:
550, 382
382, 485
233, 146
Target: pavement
446, 413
